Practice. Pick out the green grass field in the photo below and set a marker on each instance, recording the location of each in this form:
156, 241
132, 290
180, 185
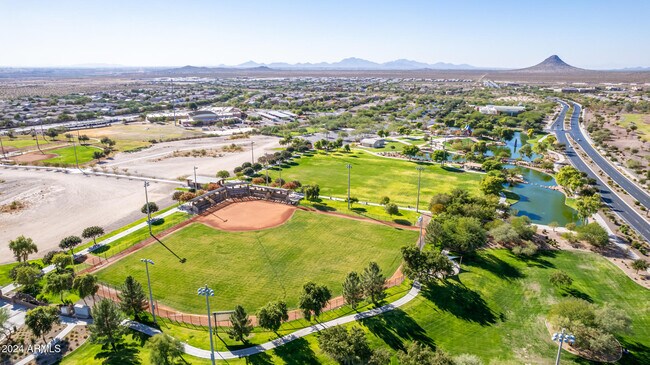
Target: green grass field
405, 217
642, 121
21, 141
66, 155
373, 177
252, 268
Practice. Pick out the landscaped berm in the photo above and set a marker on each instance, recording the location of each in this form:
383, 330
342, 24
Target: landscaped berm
253, 252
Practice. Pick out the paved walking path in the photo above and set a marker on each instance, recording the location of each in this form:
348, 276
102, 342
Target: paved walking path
225, 355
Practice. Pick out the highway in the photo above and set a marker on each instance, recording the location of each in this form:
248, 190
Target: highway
627, 213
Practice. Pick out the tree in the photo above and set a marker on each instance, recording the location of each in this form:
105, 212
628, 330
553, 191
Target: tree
223, 174
52, 132
41, 320
425, 266
107, 326
560, 279
410, 151
83, 138
459, 234
594, 234
345, 347
272, 315
554, 225
107, 141
133, 300
392, 209
418, 354
526, 150
165, 349
193, 106
640, 265
587, 206
27, 276
570, 178
492, 183
352, 289
61, 261
69, 243
22, 247
440, 156
6, 327
92, 232
313, 299
372, 282
384, 200
312, 192
85, 285
97, 155
240, 324
58, 283
153, 207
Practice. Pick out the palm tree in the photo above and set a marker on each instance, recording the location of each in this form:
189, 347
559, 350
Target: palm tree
22, 247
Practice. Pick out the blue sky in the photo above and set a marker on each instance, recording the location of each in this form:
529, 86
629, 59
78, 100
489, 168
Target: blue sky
590, 34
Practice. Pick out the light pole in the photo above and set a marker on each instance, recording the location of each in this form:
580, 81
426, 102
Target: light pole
207, 293
252, 155
421, 223
561, 338
195, 186
146, 196
4, 154
74, 147
146, 265
349, 167
417, 203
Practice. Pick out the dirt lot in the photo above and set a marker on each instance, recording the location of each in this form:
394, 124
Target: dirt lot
33, 157
59, 205
154, 161
245, 216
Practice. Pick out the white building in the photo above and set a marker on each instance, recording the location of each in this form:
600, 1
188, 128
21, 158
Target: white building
373, 142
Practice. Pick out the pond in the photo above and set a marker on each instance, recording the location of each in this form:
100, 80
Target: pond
539, 203
513, 146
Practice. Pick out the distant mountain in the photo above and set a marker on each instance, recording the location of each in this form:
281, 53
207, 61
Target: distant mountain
552, 64
354, 63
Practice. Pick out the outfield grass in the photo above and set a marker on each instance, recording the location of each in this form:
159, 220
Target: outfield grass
373, 177
405, 217
388, 147
252, 268
66, 155
642, 122
22, 141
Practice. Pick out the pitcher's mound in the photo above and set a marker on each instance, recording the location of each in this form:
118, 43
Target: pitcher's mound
248, 216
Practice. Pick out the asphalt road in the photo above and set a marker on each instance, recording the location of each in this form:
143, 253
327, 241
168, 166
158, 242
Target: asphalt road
629, 215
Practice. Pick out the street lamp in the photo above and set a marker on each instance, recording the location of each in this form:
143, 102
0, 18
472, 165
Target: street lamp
417, 203
195, 186
146, 265
207, 293
349, 167
421, 223
561, 338
146, 196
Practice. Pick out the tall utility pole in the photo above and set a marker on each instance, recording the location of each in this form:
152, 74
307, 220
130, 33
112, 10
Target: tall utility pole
74, 147
195, 186
421, 241
349, 167
252, 156
207, 293
173, 102
146, 196
4, 154
417, 203
36, 138
561, 338
146, 265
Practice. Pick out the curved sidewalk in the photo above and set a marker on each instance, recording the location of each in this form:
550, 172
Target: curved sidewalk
225, 355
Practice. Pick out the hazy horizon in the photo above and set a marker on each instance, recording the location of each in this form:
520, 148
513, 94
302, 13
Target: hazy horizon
498, 34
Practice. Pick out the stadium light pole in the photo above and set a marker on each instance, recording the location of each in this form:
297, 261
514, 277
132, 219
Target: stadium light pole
561, 338
207, 293
4, 154
146, 265
74, 147
146, 196
349, 167
195, 186
417, 202
252, 155
421, 222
